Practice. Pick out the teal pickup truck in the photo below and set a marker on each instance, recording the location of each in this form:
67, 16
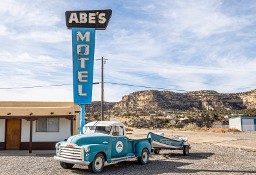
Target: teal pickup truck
103, 142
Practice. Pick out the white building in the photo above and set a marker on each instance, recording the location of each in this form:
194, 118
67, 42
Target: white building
36, 125
243, 123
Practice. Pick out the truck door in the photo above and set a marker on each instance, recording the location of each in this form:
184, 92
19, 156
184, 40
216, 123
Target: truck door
118, 142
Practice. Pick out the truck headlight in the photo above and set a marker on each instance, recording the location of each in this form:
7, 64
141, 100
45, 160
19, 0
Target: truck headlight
87, 149
57, 145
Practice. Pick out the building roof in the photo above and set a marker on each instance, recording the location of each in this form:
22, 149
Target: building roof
34, 109
244, 117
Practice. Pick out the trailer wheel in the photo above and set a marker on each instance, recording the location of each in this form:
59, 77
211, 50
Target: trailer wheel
185, 150
144, 157
156, 151
98, 164
66, 165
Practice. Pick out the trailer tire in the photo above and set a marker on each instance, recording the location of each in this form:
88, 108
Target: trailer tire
185, 150
97, 165
144, 157
156, 151
66, 165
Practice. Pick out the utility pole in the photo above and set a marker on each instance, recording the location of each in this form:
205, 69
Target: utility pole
103, 61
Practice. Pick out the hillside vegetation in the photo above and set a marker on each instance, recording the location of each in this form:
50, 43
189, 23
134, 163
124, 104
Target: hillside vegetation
170, 109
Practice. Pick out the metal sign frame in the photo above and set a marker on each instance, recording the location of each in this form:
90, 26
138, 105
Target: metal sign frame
83, 24
97, 19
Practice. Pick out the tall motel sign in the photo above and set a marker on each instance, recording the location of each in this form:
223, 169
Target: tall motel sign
83, 25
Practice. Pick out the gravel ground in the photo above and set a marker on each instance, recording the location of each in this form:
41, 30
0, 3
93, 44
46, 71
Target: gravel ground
203, 159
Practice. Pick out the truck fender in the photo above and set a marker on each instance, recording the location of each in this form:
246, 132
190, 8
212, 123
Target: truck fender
95, 149
140, 146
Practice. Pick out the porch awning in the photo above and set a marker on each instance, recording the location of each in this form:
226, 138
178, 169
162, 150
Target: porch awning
36, 109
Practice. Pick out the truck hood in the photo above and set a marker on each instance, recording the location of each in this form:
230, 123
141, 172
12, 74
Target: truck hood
85, 139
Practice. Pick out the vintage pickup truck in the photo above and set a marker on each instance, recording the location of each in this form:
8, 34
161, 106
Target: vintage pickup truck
103, 142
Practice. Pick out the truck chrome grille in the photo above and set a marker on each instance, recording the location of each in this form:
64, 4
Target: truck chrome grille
70, 153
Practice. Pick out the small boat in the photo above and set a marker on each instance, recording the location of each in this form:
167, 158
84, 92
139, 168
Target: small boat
159, 142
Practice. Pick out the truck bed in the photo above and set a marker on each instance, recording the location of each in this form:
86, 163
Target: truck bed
132, 144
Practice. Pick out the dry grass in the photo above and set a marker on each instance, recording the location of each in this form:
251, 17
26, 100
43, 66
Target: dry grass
128, 129
191, 127
194, 127
223, 130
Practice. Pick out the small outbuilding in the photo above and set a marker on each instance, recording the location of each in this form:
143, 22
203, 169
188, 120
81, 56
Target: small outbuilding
243, 123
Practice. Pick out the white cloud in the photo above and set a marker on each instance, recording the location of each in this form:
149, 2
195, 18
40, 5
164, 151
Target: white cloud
188, 45
3, 30
45, 36
38, 94
27, 13
113, 93
201, 18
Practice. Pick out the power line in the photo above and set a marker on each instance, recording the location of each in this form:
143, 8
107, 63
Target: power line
147, 87
37, 86
114, 83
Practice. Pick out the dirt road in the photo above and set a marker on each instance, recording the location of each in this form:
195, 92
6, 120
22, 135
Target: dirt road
211, 153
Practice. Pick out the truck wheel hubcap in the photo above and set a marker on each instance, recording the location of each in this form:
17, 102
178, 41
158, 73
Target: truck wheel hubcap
145, 157
98, 163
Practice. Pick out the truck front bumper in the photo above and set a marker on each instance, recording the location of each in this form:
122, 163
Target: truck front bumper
72, 161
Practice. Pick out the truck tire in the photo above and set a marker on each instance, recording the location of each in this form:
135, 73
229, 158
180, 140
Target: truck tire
185, 150
156, 151
144, 157
66, 165
98, 163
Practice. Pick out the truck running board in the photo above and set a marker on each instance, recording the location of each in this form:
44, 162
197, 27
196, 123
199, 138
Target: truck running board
121, 159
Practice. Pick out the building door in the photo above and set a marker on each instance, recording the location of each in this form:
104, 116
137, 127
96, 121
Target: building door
248, 124
13, 134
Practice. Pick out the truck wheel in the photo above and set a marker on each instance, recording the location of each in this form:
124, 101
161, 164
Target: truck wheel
156, 151
66, 165
98, 164
185, 150
144, 157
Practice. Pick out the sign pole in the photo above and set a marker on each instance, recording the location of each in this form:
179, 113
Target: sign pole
82, 118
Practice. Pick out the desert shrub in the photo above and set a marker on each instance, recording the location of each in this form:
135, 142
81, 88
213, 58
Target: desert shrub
233, 130
191, 127
129, 129
218, 130
141, 123
204, 129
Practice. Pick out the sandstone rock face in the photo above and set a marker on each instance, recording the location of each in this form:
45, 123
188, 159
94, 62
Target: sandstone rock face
163, 109
249, 99
152, 100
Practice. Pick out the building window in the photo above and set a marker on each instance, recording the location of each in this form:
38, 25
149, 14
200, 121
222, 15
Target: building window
47, 125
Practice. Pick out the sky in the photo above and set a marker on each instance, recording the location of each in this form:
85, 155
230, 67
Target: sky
179, 45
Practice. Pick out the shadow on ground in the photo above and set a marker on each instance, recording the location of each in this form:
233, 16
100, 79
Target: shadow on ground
163, 163
192, 156
159, 166
154, 167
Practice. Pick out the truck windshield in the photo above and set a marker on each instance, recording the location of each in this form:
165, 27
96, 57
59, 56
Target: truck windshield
97, 129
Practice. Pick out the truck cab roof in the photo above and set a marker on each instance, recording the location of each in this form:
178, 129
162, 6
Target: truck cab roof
112, 128
105, 123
